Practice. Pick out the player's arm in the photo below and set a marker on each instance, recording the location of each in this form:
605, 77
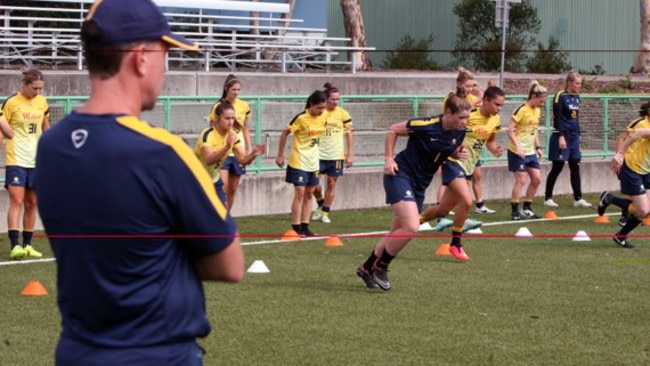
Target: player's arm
512, 125
5, 128
350, 143
398, 129
226, 265
244, 158
279, 160
493, 147
212, 157
46, 123
247, 134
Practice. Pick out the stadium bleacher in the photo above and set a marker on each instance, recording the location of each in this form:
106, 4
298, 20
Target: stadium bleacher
48, 35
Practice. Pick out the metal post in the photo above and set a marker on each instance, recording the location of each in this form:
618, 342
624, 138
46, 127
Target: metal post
504, 21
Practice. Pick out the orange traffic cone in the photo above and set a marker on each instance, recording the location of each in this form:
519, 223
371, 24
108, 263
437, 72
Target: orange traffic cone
646, 221
290, 235
601, 219
333, 241
443, 249
551, 215
34, 288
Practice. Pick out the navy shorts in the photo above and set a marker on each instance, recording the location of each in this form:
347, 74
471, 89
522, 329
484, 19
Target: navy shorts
517, 164
478, 163
220, 192
233, 167
300, 177
333, 168
398, 188
572, 151
452, 170
19, 177
633, 184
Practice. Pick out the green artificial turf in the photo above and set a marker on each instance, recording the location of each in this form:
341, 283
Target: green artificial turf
544, 300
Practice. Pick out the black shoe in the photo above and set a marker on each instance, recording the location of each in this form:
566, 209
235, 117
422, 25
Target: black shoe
307, 233
515, 216
529, 214
381, 278
367, 277
602, 205
624, 243
622, 221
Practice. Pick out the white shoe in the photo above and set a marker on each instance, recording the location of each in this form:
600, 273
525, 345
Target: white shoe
549, 203
484, 210
326, 219
318, 213
581, 203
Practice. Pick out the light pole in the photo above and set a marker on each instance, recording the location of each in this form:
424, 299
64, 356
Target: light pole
501, 15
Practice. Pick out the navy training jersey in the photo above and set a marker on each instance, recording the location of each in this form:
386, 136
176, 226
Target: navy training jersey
113, 194
566, 110
428, 146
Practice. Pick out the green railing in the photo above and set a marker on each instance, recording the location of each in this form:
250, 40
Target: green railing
602, 118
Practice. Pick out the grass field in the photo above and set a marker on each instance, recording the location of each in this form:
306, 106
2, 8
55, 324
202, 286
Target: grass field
545, 300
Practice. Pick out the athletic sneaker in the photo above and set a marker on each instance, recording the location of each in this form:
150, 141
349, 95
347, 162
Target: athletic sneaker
367, 277
602, 204
624, 243
381, 278
550, 203
18, 252
529, 214
458, 253
31, 252
326, 219
484, 210
581, 203
471, 224
317, 214
515, 216
443, 223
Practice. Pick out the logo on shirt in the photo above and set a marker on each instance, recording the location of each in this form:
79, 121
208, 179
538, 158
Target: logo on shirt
79, 138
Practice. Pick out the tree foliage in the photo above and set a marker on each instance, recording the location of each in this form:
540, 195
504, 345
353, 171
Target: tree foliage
549, 60
411, 54
478, 41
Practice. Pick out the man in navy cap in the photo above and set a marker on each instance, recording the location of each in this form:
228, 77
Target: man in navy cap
132, 216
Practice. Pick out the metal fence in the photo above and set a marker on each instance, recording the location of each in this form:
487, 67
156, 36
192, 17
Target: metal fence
602, 119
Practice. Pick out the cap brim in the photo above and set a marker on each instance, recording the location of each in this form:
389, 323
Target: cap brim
177, 41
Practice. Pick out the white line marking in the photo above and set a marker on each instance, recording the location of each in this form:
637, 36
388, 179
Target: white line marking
324, 237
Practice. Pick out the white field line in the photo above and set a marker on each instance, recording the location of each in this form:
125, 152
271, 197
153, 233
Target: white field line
324, 237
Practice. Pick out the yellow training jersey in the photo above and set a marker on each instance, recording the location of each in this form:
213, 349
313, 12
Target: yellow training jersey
527, 122
332, 146
637, 156
307, 131
210, 137
242, 114
479, 129
26, 118
471, 98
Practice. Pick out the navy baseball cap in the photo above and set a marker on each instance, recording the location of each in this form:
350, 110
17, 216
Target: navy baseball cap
125, 21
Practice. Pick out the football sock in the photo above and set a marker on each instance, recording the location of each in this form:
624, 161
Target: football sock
514, 206
296, 228
384, 260
631, 224
456, 233
27, 237
13, 237
370, 261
